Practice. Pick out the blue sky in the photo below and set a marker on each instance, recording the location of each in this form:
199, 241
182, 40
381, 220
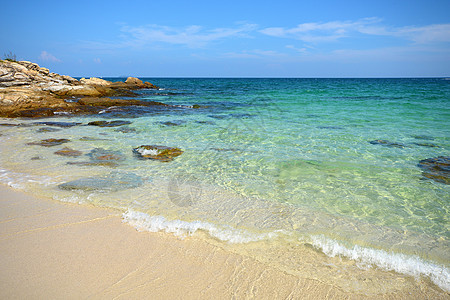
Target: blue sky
231, 38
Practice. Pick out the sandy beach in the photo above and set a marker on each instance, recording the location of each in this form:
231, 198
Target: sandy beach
54, 250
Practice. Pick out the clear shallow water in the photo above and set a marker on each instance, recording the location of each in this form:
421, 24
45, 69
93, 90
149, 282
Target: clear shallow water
284, 161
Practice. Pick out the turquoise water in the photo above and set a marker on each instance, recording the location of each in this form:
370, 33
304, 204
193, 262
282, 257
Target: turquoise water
267, 159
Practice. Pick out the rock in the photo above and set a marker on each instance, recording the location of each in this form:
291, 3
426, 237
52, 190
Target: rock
27, 90
205, 122
172, 123
69, 79
48, 129
115, 181
330, 127
126, 129
387, 144
109, 164
108, 102
83, 91
109, 123
134, 81
100, 154
219, 117
50, 142
436, 168
155, 152
59, 124
68, 152
95, 81
101, 157
429, 145
87, 138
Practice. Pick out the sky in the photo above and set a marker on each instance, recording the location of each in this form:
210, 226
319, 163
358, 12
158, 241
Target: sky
284, 38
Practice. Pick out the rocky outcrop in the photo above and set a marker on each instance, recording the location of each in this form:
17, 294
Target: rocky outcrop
28, 90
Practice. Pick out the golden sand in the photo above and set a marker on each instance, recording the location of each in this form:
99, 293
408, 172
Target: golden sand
52, 250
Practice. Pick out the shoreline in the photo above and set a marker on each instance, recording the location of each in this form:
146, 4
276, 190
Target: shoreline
61, 250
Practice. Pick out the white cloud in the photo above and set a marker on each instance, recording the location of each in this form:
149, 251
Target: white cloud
191, 36
299, 50
333, 31
97, 60
45, 56
320, 32
426, 34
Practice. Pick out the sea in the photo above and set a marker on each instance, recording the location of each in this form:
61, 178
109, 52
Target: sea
277, 169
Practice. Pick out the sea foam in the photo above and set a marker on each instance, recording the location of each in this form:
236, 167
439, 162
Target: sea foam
145, 222
398, 262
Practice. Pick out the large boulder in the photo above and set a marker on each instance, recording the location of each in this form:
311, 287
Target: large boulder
95, 81
134, 81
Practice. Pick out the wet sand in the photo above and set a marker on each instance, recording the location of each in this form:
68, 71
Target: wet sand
52, 250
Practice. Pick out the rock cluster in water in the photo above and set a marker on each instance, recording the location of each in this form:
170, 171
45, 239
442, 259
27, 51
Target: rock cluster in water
155, 152
436, 168
27, 90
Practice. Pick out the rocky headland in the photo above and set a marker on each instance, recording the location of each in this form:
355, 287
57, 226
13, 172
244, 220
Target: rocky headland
28, 90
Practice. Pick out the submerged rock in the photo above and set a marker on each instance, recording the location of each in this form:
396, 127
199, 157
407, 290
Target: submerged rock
429, 145
330, 127
100, 155
110, 164
126, 129
48, 129
59, 124
387, 144
172, 123
88, 138
109, 123
66, 151
115, 181
436, 168
205, 122
50, 142
155, 152
423, 137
